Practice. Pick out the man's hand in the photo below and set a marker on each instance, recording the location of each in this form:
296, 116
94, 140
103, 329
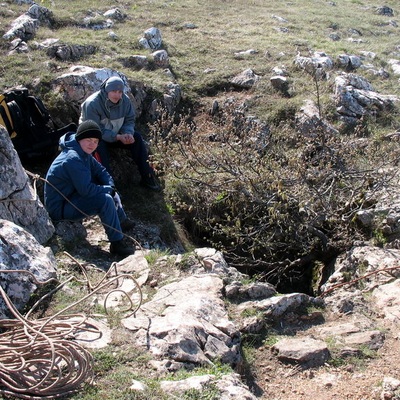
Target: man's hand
126, 138
117, 201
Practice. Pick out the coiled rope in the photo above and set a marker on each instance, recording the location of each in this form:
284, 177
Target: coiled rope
38, 358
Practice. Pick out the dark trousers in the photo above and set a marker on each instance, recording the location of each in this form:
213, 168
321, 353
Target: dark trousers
138, 152
102, 205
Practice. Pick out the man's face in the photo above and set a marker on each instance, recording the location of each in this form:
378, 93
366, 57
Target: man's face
89, 145
115, 96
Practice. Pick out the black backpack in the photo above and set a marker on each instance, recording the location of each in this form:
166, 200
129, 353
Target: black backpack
30, 126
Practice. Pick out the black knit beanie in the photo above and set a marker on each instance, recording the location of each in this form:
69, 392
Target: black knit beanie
88, 129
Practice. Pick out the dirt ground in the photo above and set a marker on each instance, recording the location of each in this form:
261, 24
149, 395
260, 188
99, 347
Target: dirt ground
356, 379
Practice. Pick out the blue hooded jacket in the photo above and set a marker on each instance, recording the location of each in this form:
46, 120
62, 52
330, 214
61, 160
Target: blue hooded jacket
73, 172
112, 118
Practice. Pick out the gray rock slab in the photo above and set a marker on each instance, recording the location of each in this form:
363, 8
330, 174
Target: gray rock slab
307, 352
186, 321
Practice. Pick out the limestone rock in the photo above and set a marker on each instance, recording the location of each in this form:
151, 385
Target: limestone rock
152, 39
19, 202
26, 25
187, 325
356, 97
246, 79
305, 351
19, 250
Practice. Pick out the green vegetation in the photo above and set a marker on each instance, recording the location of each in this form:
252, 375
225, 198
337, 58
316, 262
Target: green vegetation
115, 370
154, 255
217, 369
358, 359
379, 238
210, 392
217, 34
251, 312
278, 203
270, 340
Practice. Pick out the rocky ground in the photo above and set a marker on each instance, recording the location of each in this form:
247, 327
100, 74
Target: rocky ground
353, 375
356, 379
366, 375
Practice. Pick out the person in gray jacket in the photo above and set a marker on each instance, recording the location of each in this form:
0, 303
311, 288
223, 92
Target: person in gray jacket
77, 185
112, 110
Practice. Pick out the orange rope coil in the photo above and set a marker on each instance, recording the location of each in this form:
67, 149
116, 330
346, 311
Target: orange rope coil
38, 358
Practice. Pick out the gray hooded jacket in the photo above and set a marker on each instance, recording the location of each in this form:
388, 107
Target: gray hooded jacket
112, 118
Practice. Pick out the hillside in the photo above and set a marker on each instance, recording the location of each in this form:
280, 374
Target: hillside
282, 213
208, 44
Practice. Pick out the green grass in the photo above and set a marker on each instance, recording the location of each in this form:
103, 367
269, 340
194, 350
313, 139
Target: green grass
217, 35
115, 370
221, 29
217, 369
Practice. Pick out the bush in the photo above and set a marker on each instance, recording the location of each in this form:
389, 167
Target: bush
273, 202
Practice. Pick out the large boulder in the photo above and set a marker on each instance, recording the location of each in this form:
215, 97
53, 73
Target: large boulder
26, 25
19, 203
24, 265
82, 81
355, 97
187, 325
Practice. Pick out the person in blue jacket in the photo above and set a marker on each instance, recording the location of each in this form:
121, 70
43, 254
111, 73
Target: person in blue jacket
77, 185
112, 110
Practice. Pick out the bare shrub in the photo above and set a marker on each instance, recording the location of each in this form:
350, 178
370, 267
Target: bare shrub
273, 202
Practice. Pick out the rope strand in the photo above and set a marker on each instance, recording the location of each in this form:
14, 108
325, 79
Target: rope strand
38, 177
38, 359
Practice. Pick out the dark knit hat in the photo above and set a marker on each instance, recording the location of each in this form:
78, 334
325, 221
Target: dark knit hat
114, 83
88, 129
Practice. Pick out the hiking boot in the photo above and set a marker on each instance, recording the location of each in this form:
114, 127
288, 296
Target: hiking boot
121, 248
151, 183
127, 224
